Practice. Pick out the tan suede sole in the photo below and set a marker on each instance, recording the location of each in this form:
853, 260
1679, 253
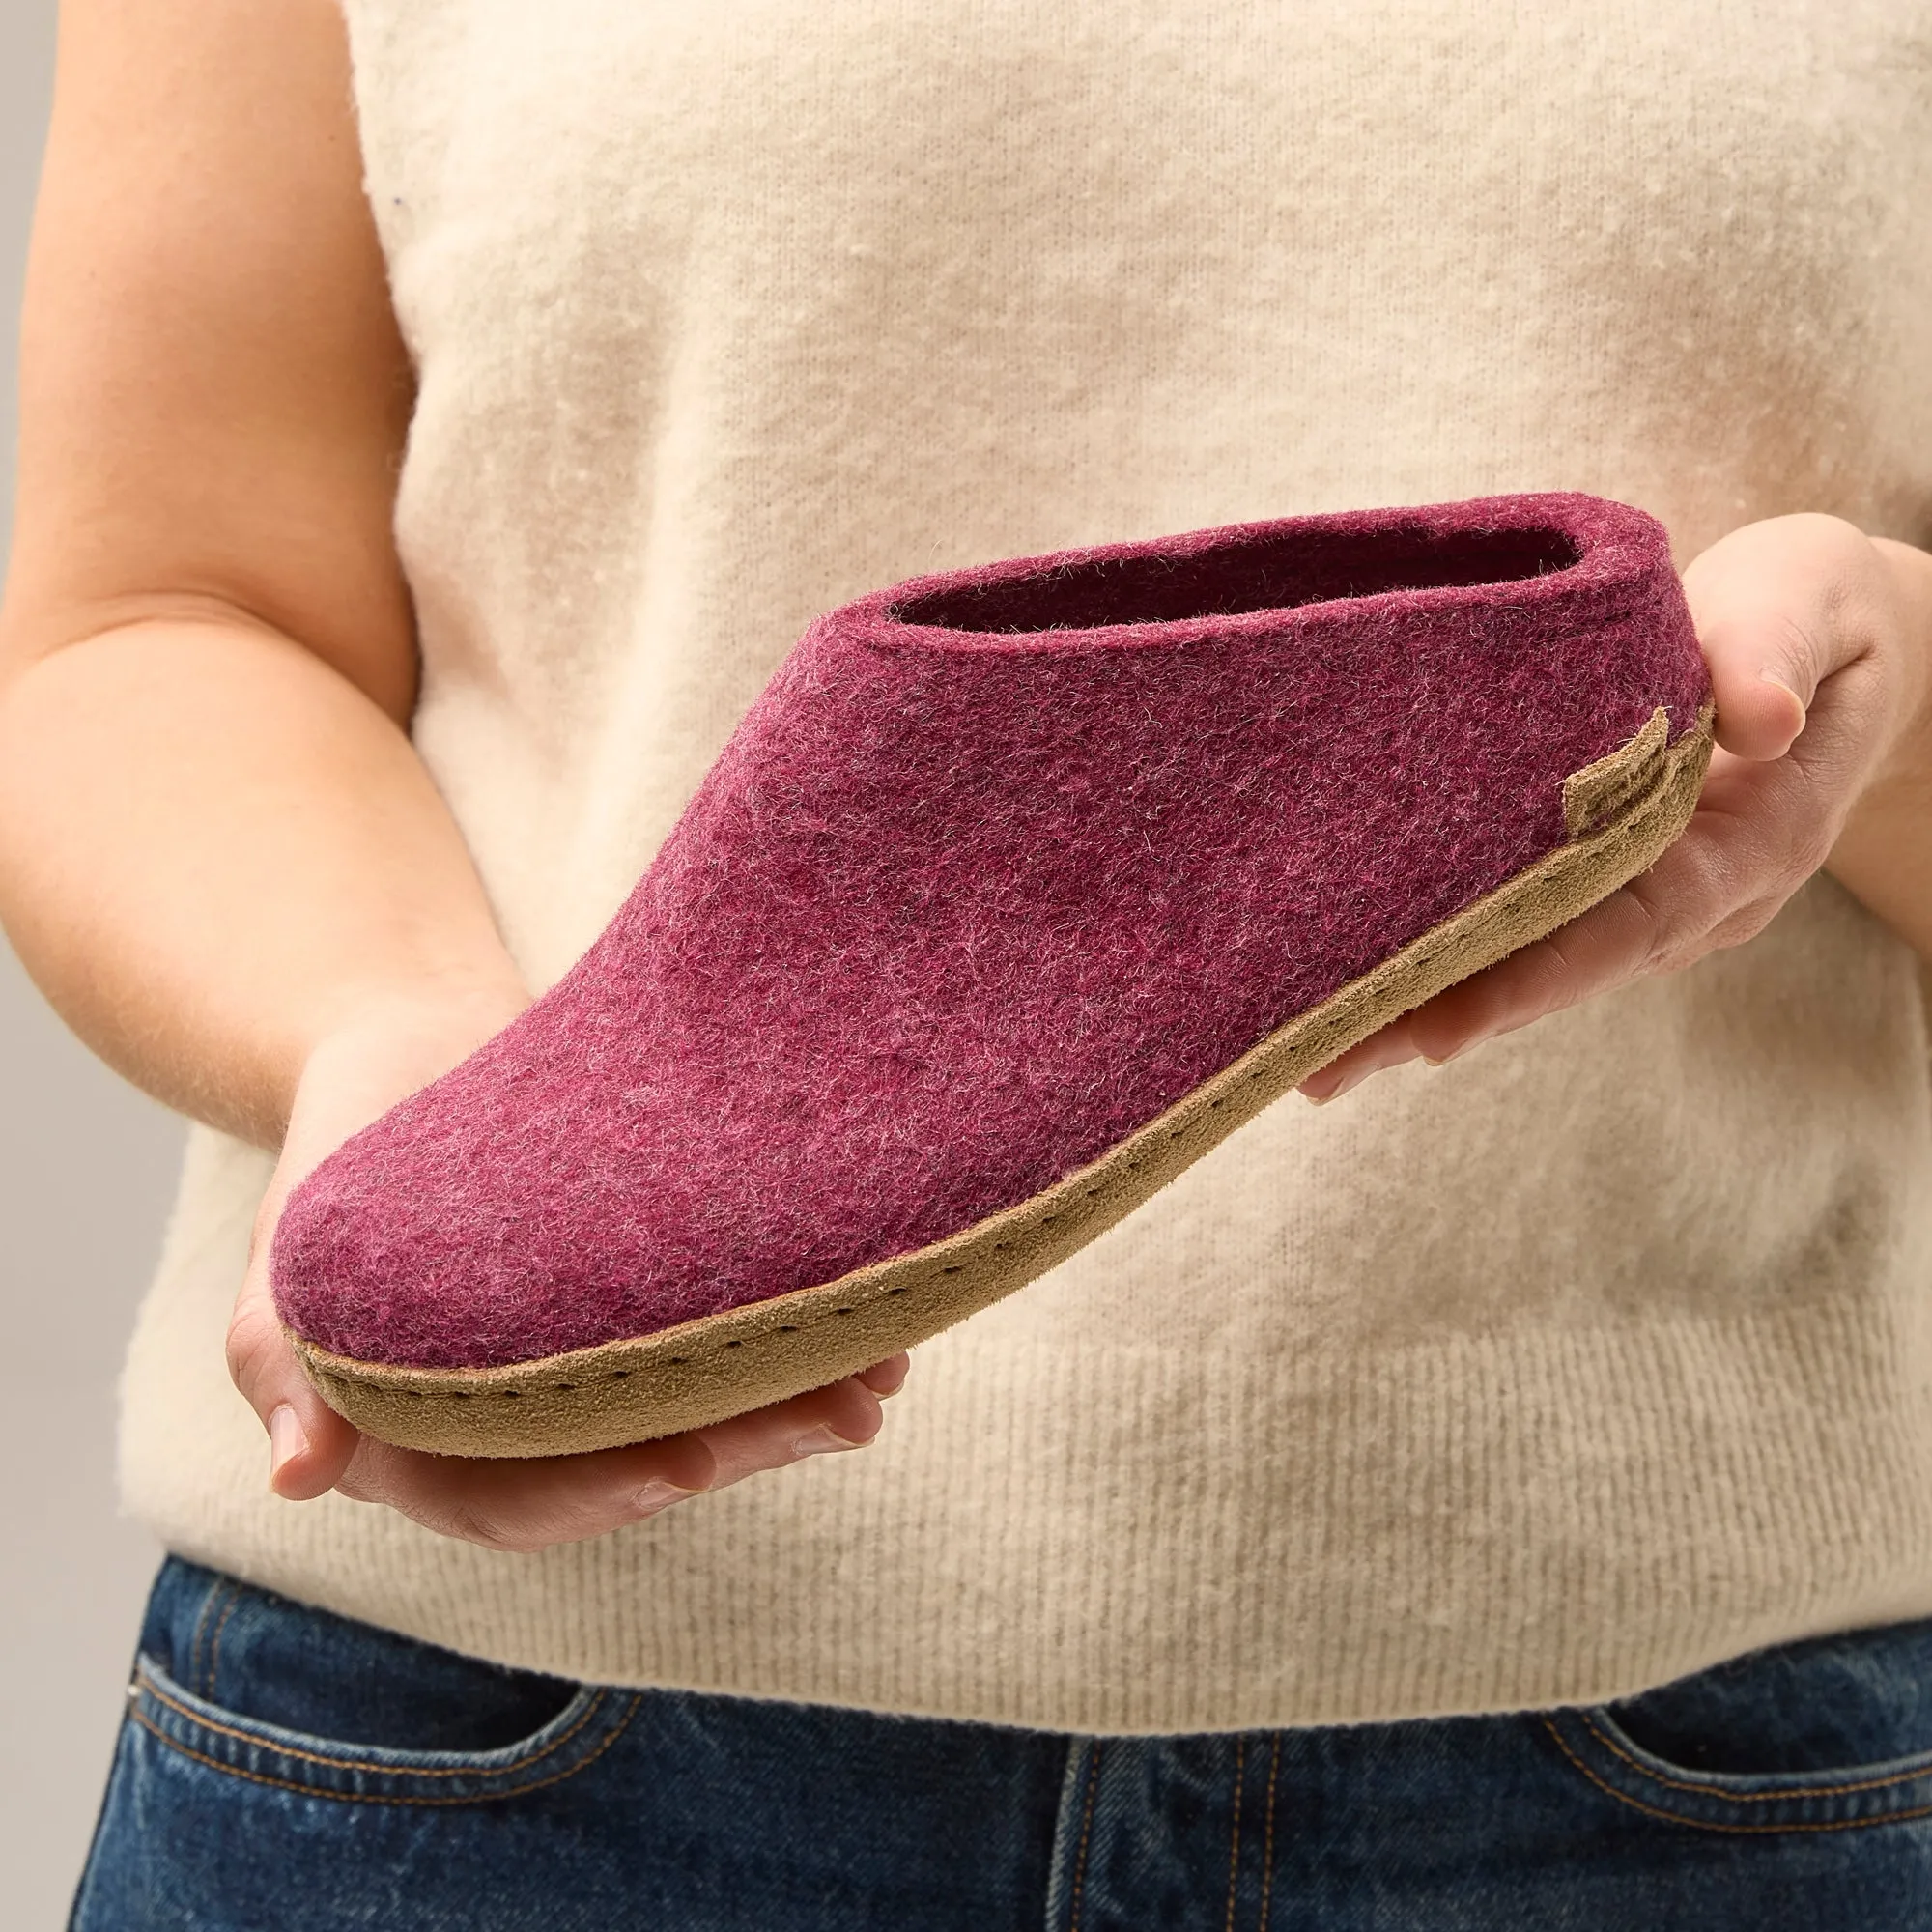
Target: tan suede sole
1621, 812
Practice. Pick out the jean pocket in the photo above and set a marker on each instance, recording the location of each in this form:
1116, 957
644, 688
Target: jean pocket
246, 1681
320, 1767
1832, 1734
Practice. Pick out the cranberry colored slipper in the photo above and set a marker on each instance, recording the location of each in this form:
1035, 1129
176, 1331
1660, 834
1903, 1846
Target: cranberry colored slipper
1017, 891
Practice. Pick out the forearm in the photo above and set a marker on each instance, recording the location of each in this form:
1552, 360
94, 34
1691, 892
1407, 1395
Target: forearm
1883, 855
216, 850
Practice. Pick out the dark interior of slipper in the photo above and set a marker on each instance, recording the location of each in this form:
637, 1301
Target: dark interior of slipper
1270, 571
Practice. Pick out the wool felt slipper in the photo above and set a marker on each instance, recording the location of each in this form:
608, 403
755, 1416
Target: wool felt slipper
1014, 893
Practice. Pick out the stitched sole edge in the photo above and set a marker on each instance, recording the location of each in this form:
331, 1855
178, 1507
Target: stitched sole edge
704, 1371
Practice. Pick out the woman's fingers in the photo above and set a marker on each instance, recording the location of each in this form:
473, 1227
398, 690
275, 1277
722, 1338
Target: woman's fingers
1608, 945
1798, 617
847, 1415
1757, 834
888, 1378
1782, 608
531, 1503
309, 1445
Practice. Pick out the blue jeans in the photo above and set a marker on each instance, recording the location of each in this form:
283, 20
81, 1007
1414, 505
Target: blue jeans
281, 1768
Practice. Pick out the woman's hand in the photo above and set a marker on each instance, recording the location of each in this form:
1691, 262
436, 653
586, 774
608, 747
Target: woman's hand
388, 1050
1819, 640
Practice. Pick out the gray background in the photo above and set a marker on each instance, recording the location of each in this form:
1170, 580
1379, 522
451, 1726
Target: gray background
86, 1170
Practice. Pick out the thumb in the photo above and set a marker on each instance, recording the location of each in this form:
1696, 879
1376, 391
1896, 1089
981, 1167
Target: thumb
309, 1445
1778, 610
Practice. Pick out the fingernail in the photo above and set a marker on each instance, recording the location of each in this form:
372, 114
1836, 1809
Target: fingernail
1772, 677
659, 1494
817, 1441
1341, 1087
287, 1439
886, 1378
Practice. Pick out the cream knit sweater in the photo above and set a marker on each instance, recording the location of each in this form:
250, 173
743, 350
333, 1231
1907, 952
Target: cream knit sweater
1596, 1356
